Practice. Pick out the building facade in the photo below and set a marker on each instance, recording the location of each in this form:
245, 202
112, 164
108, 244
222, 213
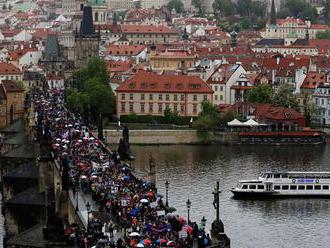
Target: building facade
322, 101
150, 94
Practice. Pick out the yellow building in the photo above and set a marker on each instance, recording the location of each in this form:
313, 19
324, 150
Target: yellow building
172, 60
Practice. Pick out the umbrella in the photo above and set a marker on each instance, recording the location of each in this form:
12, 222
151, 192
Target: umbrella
161, 241
188, 229
146, 242
58, 139
139, 245
134, 234
150, 194
182, 220
126, 178
144, 201
83, 177
170, 244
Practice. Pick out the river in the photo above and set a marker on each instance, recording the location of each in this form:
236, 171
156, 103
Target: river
193, 170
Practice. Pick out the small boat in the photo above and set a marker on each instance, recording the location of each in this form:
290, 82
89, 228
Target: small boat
285, 184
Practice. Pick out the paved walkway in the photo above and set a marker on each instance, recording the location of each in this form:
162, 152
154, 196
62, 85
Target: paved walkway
82, 210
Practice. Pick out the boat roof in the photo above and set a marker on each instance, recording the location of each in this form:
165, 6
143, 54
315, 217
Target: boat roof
250, 181
297, 172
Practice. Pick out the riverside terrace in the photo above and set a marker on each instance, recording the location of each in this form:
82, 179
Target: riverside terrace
89, 168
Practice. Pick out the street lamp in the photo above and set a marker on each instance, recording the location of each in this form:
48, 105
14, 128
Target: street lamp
188, 203
166, 187
203, 221
88, 207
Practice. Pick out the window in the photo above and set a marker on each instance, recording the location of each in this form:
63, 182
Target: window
181, 108
195, 97
175, 107
160, 97
142, 96
194, 108
285, 187
122, 107
167, 97
160, 107
301, 187
216, 88
175, 97
221, 88
261, 187
277, 175
277, 187
122, 96
252, 186
205, 97
142, 107
151, 107
244, 186
325, 187
130, 107
221, 97
167, 105
216, 97
131, 96
317, 187
150, 97
182, 97
309, 187
293, 187
284, 176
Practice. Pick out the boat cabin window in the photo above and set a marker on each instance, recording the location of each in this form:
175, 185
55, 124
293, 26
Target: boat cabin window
285, 176
309, 187
317, 187
325, 187
301, 187
285, 187
293, 187
261, 187
252, 186
277, 187
244, 186
277, 175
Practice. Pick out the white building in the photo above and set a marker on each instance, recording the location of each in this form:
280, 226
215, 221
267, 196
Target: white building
120, 4
322, 101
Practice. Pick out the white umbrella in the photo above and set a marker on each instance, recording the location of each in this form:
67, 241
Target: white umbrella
251, 123
235, 122
144, 201
140, 245
134, 234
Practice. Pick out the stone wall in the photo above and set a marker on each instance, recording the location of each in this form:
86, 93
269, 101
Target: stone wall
166, 137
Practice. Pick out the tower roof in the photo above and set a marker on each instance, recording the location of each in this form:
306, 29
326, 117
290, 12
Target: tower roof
52, 49
87, 25
273, 13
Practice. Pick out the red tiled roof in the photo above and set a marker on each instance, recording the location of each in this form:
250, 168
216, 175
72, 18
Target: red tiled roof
146, 29
313, 80
150, 82
319, 26
267, 112
323, 46
8, 69
119, 66
14, 55
290, 20
11, 86
125, 50
10, 33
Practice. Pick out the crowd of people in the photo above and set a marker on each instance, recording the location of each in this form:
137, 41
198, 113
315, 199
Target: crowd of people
131, 203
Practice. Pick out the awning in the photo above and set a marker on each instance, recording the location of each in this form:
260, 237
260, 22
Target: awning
235, 122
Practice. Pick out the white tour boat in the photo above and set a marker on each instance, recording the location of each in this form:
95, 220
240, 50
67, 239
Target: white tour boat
285, 184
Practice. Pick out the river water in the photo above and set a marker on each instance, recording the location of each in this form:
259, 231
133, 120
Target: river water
193, 170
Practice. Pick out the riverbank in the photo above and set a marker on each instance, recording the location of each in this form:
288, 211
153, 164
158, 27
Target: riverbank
174, 137
171, 137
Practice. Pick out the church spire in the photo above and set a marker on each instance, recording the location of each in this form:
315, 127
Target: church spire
273, 13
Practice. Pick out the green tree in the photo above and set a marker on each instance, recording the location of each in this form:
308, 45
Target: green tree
284, 97
208, 118
244, 7
177, 5
326, 10
200, 6
223, 7
246, 23
260, 94
323, 35
301, 9
92, 95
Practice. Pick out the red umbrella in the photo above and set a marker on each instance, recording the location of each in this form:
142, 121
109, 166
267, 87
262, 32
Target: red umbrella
147, 242
170, 244
188, 229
